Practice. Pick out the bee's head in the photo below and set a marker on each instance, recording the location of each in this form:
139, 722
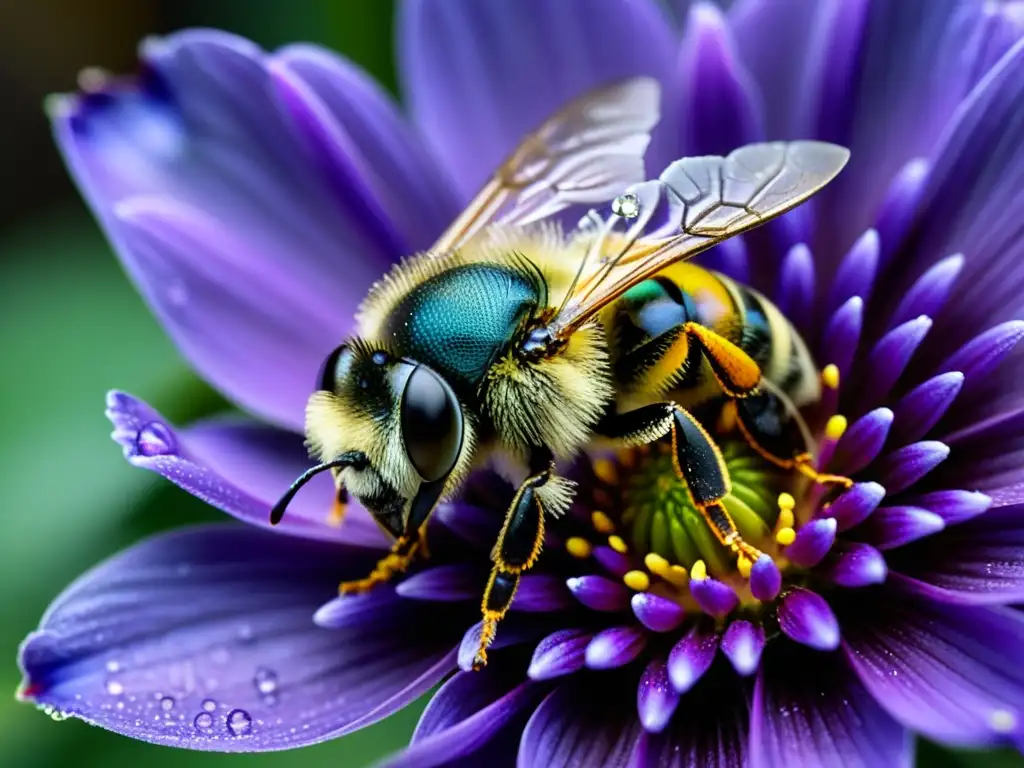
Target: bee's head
390, 429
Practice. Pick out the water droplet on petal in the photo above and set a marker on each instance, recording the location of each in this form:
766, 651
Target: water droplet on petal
265, 680
239, 722
209, 705
114, 688
155, 439
203, 721
113, 666
167, 703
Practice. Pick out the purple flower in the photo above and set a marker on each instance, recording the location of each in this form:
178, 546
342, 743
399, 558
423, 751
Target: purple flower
254, 197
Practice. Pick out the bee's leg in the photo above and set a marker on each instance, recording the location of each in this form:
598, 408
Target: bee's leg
408, 543
698, 463
515, 552
768, 424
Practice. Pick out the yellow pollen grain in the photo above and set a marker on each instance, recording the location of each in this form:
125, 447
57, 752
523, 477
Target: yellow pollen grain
699, 571
786, 501
605, 470
785, 536
602, 523
830, 376
835, 427
616, 543
637, 580
655, 563
578, 547
677, 576
786, 519
743, 565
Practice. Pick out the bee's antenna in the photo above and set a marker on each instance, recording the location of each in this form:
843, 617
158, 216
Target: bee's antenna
350, 459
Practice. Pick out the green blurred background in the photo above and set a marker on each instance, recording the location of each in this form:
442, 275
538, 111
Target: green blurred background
72, 328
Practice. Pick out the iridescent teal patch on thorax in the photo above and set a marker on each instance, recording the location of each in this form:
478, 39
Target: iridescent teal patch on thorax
458, 321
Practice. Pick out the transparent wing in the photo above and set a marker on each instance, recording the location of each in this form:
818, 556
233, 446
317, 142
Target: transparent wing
695, 203
585, 154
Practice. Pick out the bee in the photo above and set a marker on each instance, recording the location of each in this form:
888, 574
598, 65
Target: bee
514, 337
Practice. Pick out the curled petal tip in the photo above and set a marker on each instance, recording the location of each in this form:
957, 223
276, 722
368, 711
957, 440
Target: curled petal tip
812, 542
765, 578
805, 617
743, 644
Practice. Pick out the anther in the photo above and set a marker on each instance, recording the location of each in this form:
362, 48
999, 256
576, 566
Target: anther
830, 376
617, 543
578, 547
786, 501
637, 580
602, 523
605, 470
698, 571
743, 565
786, 519
835, 427
785, 536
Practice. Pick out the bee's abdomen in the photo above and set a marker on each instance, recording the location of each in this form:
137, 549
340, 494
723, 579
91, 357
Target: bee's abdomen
459, 320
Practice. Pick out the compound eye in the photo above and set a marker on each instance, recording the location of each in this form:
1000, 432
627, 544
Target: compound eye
432, 425
334, 368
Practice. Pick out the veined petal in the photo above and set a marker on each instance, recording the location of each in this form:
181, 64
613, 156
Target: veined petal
951, 672
356, 128
809, 709
238, 466
202, 129
480, 74
204, 638
580, 724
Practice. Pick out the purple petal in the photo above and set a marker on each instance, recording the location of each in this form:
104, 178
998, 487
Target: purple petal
765, 578
714, 597
921, 409
445, 583
691, 657
559, 654
616, 563
464, 717
615, 647
842, 334
854, 564
599, 593
970, 198
812, 543
811, 710
896, 213
743, 644
796, 285
580, 725
808, 619
656, 699
905, 466
929, 293
355, 128
478, 526
224, 225
512, 631
204, 638
981, 355
719, 109
855, 505
889, 358
954, 506
541, 593
729, 257
863, 441
658, 614
892, 527
952, 673
856, 273
352, 611
501, 58
978, 562
237, 466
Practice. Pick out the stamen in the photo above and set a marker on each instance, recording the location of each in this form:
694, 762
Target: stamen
606, 471
786, 519
616, 543
578, 547
743, 565
785, 536
699, 571
786, 501
835, 427
602, 523
830, 376
675, 575
637, 580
